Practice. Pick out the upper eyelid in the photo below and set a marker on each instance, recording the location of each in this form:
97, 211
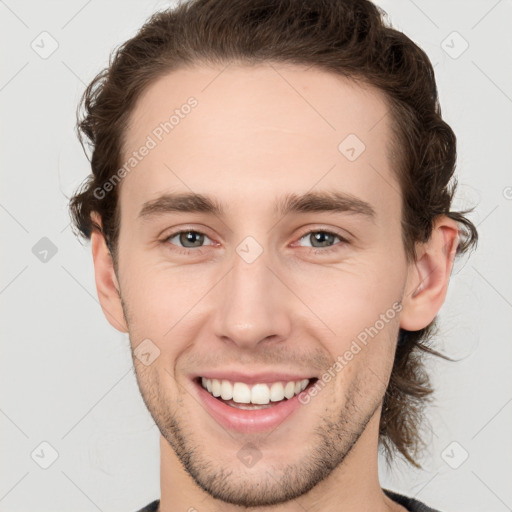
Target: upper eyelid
343, 239
172, 233
322, 230
179, 232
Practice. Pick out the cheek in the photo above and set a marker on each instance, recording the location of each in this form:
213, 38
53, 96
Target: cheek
160, 300
353, 295
360, 306
364, 359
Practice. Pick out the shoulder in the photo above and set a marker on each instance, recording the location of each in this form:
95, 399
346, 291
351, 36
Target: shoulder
411, 504
152, 507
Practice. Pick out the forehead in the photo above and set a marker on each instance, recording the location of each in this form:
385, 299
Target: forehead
241, 131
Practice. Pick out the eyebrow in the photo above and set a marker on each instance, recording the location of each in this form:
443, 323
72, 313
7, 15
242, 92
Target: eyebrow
289, 203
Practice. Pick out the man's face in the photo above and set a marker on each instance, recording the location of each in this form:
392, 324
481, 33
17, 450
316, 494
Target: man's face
251, 294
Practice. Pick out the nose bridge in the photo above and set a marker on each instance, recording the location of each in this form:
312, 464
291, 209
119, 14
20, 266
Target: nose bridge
252, 306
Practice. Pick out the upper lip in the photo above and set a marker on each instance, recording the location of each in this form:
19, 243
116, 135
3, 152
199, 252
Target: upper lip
252, 378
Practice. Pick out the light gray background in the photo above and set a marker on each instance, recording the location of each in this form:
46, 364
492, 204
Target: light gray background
66, 374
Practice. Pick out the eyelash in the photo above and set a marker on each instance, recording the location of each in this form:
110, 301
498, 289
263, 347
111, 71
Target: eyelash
316, 250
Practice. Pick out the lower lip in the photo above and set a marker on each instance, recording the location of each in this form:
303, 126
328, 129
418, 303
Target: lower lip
243, 420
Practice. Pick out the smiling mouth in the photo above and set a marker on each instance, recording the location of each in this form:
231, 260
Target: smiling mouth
257, 396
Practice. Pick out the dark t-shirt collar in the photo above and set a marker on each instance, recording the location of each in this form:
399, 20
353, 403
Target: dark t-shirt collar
411, 504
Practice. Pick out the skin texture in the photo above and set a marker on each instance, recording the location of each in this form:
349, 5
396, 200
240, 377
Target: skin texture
257, 133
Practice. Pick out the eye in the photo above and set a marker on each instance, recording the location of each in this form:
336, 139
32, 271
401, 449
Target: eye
191, 241
188, 238
326, 240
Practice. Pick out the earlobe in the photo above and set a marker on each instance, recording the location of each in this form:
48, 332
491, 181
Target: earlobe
107, 284
429, 276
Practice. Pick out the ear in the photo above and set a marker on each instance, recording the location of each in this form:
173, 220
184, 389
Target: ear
428, 277
107, 285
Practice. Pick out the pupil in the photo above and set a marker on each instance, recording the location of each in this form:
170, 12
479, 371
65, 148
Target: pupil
189, 237
322, 235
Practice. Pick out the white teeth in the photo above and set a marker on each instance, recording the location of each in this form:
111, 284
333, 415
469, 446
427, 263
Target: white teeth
260, 393
276, 392
207, 384
289, 390
215, 387
226, 390
241, 392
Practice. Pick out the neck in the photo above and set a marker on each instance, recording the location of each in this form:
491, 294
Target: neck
352, 486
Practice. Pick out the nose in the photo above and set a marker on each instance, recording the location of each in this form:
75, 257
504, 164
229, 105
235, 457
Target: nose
254, 306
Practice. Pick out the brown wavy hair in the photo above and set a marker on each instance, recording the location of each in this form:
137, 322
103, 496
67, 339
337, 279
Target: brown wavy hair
351, 38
